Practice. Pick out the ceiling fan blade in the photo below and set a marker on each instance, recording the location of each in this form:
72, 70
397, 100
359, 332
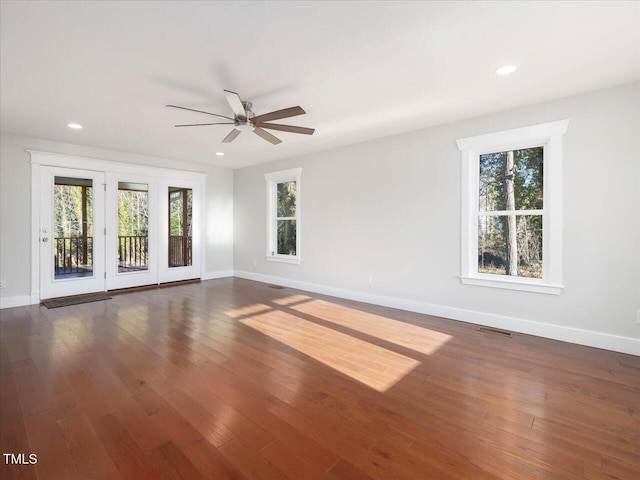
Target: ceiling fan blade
202, 124
235, 103
287, 128
278, 114
232, 135
200, 111
267, 136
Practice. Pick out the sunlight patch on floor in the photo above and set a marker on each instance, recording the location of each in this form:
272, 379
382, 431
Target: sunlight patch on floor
249, 310
291, 299
365, 362
404, 334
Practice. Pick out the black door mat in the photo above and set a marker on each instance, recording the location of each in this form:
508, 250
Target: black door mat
75, 300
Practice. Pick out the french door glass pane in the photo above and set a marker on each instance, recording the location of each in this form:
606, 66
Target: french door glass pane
180, 226
510, 245
287, 237
133, 227
73, 227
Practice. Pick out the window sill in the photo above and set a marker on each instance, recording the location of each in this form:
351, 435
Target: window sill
521, 284
283, 259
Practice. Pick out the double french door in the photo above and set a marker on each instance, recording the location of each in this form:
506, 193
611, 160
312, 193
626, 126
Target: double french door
106, 230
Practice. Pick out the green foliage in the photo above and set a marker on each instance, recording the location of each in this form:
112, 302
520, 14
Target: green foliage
286, 208
286, 237
71, 251
133, 213
527, 180
67, 211
492, 246
286, 199
177, 225
528, 195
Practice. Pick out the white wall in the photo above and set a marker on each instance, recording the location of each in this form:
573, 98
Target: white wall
390, 208
15, 207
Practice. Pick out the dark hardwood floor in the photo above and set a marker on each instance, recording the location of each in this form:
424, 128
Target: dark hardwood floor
231, 379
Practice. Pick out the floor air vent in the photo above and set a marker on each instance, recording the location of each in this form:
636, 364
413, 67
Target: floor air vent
277, 287
495, 331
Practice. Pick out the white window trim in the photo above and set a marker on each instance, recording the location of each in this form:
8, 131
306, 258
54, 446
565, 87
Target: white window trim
273, 179
549, 135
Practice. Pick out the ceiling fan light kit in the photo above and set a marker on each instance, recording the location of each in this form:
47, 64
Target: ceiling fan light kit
244, 120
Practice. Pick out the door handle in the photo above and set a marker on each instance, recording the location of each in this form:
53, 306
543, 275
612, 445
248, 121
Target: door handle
45, 239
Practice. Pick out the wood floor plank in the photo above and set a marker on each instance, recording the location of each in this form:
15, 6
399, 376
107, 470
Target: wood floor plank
123, 449
146, 433
250, 464
85, 390
585, 436
328, 435
88, 453
343, 470
386, 462
252, 435
292, 465
231, 379
619, 469
211, 463
13, 439
235, 387
47, 441
34, 395
5, 361
201, 419
151, 401
299, 443
7, 386
173, 464
176, 427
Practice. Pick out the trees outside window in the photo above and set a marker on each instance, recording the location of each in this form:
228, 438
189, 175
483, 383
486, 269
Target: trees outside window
283, 217
286, 218
512, 208
133, 227
510, 183
73, 226
180, 225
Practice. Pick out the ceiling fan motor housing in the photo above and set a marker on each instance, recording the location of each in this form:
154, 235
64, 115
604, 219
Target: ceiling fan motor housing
244, 124
247, 108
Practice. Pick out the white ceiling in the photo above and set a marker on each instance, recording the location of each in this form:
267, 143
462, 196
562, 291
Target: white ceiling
361, 70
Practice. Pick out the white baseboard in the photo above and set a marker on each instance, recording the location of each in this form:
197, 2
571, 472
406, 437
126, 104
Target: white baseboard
588, 338
217, 274
18, 301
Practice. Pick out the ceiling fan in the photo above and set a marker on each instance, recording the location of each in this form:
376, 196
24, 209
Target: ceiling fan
245, 120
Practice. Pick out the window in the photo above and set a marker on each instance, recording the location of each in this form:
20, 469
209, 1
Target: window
133, 227
512, 208
180, 226
283, 216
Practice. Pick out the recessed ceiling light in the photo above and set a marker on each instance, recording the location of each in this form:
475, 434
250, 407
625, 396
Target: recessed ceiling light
506, 70
220, 154
75, 126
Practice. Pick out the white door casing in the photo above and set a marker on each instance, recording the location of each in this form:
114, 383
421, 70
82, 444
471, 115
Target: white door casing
50, 286
109, 173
